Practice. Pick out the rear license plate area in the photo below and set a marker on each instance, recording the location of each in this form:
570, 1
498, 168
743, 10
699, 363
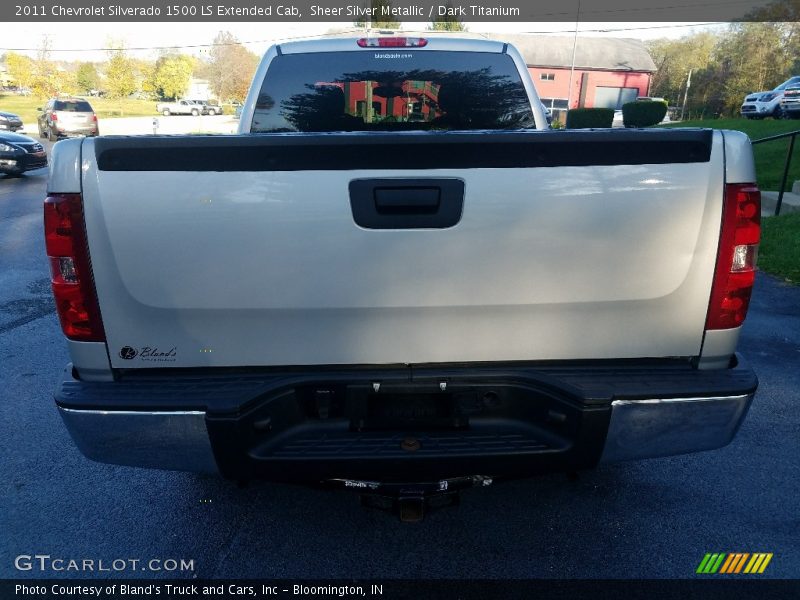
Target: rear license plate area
418, 411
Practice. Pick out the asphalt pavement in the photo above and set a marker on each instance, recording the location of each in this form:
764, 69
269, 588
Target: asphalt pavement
648, 519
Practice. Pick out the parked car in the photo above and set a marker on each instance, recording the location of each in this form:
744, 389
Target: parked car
790, 104
209, 109
20, 153
63, 117
181, 107
10, 121
394, 313
760, 105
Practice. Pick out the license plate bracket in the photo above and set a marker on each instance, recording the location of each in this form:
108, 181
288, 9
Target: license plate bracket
401, 409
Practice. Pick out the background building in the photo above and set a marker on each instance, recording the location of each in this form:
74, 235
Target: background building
608, 71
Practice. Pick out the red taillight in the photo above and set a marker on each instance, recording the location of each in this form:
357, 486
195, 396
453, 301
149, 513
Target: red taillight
53, 117
71, 274
736, 260
94, 117
392, 42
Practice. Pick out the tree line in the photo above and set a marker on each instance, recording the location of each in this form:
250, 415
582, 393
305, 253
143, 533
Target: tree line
720, 69
711, 72
228, 68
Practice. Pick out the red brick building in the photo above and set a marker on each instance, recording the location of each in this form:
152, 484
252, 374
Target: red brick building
608, 71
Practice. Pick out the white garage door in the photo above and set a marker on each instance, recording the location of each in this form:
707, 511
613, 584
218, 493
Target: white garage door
614, 97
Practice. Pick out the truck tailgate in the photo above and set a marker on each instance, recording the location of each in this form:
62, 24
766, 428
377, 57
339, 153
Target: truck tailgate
244, 250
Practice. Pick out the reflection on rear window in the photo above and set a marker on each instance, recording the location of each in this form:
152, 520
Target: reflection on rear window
391, 91
72, 106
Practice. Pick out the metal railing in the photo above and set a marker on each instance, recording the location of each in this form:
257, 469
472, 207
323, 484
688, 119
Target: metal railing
792, 135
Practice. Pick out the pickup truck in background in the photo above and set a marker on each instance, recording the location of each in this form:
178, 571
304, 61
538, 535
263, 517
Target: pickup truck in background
399, 276
208, 108
181, 107
790, 104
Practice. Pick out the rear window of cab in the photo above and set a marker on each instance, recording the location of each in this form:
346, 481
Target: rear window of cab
390, 90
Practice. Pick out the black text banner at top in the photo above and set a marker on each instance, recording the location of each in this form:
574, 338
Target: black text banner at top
381, 11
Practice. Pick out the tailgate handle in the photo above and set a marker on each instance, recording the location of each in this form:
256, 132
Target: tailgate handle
403, 201
421, 203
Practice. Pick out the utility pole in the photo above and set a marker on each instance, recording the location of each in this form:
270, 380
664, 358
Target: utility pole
686, 93
574, 46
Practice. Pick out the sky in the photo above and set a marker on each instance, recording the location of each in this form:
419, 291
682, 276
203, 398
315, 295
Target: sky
86, 41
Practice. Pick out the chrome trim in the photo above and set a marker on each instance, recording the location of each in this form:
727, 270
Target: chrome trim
669, 426
174, 440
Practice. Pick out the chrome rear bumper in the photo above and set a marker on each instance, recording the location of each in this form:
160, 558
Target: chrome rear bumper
664, 427
179, 440
176, 441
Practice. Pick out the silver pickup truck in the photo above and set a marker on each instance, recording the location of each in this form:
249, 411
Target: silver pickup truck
399, 275
181, 107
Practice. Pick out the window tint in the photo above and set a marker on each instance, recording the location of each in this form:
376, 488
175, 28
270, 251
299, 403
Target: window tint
390, 90
72, 106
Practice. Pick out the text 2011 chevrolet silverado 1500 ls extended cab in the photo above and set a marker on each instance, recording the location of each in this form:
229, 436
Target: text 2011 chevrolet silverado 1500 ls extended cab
400, 275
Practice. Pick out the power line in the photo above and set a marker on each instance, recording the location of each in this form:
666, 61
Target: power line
610, 30
184, 46
651, 9
272, 40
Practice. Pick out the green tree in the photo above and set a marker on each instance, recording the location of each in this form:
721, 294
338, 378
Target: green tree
20, 69
172, 75
447, 22
755, 57
120, 75
86, 77
675, 58
146, 76
383, 18
67, 80
787, 14
45, 81
230, 68
726, 66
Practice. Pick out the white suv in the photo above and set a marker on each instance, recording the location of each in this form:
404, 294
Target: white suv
766, 104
